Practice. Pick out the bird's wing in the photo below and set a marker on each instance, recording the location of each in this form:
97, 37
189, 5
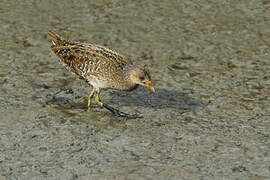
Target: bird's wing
84, 59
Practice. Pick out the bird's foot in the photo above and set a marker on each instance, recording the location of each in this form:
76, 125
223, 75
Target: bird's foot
90, 97
96, 94
89, 102
98, 100
118, 113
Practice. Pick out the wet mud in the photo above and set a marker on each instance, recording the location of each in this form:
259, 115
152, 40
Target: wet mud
209, 118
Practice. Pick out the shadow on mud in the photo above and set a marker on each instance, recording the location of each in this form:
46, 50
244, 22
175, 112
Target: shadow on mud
161, 99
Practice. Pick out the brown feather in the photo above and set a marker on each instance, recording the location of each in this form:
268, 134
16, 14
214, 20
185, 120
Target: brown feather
89, 60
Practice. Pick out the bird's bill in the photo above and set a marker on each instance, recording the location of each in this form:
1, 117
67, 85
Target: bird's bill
150, 86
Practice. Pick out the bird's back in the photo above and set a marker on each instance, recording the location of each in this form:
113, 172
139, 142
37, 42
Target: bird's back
87, 60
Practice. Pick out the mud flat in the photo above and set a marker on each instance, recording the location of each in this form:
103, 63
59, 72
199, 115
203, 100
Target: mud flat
209, 119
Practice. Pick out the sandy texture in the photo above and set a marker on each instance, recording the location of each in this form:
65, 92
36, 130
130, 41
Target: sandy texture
209, 119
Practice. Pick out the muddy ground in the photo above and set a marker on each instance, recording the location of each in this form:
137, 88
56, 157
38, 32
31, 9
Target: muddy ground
209, 119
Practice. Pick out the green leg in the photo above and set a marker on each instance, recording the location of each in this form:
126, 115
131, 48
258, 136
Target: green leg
96, 94
97, 98
91, 95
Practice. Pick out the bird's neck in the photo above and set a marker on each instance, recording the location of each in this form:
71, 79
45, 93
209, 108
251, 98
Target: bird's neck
125, 78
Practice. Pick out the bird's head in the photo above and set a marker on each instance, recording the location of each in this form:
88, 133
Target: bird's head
139, 75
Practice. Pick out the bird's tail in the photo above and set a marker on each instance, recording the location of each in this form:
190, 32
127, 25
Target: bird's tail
56, 39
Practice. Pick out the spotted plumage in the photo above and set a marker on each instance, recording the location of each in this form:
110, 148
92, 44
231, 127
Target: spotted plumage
99, 66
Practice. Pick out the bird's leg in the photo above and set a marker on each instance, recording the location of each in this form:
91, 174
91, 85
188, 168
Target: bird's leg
96, 94
97, 98
91, 95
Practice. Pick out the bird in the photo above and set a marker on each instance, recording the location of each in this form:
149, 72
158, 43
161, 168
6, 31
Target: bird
100, 67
